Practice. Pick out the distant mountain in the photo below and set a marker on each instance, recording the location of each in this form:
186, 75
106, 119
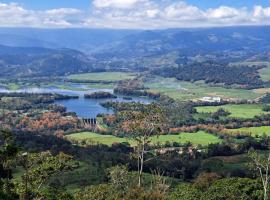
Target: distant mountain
133, 43
37, 61
86, 40
44, 52
190, 41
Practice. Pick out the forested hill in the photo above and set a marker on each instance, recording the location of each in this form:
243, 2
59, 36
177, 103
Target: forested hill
191, 41
141, 42
46, 52
37, 61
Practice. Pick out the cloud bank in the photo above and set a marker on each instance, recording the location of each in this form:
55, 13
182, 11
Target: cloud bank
133, 14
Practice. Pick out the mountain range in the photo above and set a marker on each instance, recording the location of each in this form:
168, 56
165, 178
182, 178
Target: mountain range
28, 51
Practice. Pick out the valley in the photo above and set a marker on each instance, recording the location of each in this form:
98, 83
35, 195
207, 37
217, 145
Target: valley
148, 110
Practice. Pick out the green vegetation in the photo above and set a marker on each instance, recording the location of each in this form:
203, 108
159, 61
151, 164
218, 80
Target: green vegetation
97, 138
237, 111
255, 131
187, 90
102, 76
265, 72
13, 86
200, 137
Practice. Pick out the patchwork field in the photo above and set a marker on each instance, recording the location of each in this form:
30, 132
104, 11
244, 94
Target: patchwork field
265, 72
200, 137
255, 131
237, 111
97, 138
186, 90
102, 76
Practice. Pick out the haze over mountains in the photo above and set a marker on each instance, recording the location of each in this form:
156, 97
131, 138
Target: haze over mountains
49, 51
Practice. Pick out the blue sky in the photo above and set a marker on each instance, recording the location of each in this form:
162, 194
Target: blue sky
133, 14
85, 4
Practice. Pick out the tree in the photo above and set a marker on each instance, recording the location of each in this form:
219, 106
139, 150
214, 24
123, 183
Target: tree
261, 164
119, 178
204, 180
140, 126
8, 152
39, 167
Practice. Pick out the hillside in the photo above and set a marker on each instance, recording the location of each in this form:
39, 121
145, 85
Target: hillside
37, 61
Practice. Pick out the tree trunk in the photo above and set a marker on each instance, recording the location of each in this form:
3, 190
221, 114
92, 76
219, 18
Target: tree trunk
141, 162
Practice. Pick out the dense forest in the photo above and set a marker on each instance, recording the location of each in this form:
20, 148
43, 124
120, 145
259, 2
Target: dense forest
244, 76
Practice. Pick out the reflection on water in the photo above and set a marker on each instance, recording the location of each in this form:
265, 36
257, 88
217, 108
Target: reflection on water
87, 108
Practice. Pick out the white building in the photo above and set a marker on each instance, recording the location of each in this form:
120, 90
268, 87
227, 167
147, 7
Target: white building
211, 99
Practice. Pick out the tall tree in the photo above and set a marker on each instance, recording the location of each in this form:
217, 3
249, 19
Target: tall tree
8, 152
261, 164
141, 125
39, 167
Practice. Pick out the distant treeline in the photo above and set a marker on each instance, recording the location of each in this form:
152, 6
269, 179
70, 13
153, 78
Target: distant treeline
243, 76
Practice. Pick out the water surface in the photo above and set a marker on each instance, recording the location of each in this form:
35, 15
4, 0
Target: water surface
86, 108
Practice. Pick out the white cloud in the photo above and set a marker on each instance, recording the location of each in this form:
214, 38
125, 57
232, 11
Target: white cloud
260, 12
223, 12
15, 15
182, 11
146, 14
123, 4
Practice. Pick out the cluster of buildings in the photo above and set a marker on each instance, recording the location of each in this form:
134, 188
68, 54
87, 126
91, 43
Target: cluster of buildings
211, 99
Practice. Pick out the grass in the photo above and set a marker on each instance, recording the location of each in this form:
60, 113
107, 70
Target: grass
255, 131
102, 76
244, 111
200, 137
264, 72
186, 90
13, 86
97, 138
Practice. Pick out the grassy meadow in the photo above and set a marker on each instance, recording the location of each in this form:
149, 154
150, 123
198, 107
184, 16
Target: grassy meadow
197, 138
244, 111
97, 138
102, 76
186, 90
255, 131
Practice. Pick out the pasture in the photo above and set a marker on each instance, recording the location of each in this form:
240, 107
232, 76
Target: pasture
254, 131
97, 138
191, 91
197, 138
102, 76
244, 111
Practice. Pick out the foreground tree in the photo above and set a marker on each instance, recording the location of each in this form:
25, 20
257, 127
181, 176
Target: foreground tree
39, 167
8, 152
141, 125
261, 164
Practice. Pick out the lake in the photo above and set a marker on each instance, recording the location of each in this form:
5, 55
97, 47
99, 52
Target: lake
85, 108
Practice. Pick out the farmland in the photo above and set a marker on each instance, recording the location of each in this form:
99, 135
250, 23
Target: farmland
200, 137
102, 76
97, 138
186, 90
244, 111
255, 131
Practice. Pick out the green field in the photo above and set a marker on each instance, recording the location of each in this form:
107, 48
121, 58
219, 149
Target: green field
200, 137
186, 90
97, 138
102, 76
255, 131
195, 138
245, 111
265, 73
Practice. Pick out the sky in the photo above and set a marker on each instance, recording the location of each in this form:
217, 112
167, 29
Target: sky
133, 14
